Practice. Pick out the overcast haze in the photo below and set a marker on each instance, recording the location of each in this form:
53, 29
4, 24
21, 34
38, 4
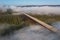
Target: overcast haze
37, 10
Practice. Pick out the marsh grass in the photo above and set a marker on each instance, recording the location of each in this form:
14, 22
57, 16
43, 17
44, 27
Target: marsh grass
15, 22
19, 21
47, 18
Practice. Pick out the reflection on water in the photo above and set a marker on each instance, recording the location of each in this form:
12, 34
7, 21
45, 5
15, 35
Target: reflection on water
33, 32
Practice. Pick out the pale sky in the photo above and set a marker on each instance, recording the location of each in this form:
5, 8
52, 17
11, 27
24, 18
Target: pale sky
30, 2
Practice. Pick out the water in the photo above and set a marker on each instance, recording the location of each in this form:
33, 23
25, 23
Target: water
33, 32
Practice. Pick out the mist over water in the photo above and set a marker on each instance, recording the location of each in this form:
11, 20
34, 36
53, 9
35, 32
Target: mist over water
33, 10
37, 10
33, 32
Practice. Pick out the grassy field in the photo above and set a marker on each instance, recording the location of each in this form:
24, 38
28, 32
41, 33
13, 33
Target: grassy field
18, 21
47, 18
15, 22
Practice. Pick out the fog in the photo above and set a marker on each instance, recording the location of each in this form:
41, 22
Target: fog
33, 10
37, 10
33, 32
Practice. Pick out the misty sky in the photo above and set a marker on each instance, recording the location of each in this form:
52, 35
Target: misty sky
30, 2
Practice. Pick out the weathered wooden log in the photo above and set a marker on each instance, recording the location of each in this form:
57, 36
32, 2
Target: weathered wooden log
49, 27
